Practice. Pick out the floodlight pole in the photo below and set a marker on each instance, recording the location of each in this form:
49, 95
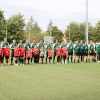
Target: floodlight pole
87, 21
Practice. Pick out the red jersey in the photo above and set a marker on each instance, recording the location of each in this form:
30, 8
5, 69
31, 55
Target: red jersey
28, 54
16, 52
6, 51
36, 51
22, 51
1, 51
64, 51
50, 53
58, 51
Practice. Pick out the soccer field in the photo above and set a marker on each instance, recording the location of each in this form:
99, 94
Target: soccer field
50, 82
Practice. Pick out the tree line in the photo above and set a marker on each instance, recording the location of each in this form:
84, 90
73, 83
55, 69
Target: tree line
16, 28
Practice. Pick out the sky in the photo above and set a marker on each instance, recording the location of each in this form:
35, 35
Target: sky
62, 12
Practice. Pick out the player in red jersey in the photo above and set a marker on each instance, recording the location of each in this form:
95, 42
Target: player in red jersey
50, 54
28, 55
16, 54
36, 53
58, 53
64, 54
22, 54
7, 53
1, 54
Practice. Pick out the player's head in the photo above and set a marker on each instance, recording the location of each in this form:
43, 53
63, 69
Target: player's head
22, 46
14, 41
27, 41
48, 42
34, 41
35, 46
81, 41
41, 41
5, 39
56, 41
70, 41
91, 41
21, 41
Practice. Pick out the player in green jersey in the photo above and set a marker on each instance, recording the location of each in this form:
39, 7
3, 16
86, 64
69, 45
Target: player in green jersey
47, 48
55, 45
85, 50
70, 51
62, 44
98, 52
81, 53
33, 44
91, 51
39, 45
12, 46
76, 51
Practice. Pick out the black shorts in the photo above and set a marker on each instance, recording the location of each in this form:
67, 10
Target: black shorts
85, 53
50, 57
0, 58
91, 54
64, 57
47, 54
6, 57
77, 53
70, 53
81, 53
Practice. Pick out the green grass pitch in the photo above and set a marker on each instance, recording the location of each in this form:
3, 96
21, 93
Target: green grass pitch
50, 82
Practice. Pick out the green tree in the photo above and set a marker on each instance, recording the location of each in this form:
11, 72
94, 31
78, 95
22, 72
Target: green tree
2, 25
15, 27
75, 31
33, 28
56, 33
96, 32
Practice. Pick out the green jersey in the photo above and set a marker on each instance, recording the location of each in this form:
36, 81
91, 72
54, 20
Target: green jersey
40, 45
70, 48
12, 47
32, 45
20, 45
27, 45
3, 44
48, 46
85, 48
55, 45
76, 49
91, 48
98, 48
62, 45
81, 48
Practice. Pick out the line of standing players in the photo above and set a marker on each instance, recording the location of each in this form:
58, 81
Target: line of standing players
36, 52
